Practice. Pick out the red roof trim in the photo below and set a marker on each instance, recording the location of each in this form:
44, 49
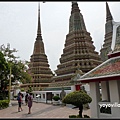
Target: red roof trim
100, 79
113, 54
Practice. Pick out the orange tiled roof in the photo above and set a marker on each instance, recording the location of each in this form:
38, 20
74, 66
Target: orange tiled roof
107, 68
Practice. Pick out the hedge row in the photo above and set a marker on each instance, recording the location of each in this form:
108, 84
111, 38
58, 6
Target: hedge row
4, 104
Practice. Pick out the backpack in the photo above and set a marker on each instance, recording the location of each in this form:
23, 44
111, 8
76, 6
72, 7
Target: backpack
18, 98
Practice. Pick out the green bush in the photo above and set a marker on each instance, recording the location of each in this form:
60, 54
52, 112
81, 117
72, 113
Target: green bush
4, 103
3, 96
56, 98
22, 89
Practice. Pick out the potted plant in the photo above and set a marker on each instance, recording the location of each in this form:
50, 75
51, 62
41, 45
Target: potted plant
15, 97
56, 99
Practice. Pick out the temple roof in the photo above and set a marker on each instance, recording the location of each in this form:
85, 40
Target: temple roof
109, 68
65, 75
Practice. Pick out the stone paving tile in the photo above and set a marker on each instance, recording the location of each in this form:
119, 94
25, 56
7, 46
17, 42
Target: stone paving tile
40, 110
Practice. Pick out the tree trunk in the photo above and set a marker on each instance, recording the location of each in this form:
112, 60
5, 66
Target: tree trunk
80, 110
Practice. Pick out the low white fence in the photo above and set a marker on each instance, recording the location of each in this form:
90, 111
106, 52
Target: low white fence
42, 96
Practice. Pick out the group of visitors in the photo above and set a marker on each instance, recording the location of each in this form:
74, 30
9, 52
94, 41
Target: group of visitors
28, 101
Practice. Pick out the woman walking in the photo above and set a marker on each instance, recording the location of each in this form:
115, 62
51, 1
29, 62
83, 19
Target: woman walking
30, 102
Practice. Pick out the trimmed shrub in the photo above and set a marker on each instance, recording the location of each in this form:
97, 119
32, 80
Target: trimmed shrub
56, 98
77, 98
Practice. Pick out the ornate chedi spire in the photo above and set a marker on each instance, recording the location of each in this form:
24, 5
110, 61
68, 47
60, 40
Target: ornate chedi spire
108, 35
39, 26
39, 45
108, 13
79, 51
76, 21
39, 67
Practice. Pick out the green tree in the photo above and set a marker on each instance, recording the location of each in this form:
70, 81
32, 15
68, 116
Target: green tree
3, 69
18, 67
30, 89
3, 74
20, 72
77, 98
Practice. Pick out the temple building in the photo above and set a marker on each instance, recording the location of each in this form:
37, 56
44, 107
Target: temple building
39, 67
79, 55
108, 35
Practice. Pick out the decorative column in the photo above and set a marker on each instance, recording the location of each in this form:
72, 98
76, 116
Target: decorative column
95, 95
115, 98
105, 90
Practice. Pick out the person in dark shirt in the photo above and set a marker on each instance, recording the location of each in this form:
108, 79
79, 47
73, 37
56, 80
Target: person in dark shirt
26, 98
19, 101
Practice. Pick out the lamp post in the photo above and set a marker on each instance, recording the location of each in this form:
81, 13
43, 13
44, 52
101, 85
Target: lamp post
9, 88
9, 59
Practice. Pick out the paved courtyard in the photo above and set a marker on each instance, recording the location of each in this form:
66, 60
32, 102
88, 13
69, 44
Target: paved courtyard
40, 110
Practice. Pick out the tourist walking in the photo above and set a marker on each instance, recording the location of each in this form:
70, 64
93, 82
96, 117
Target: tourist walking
30, 102
26, 98
19, 98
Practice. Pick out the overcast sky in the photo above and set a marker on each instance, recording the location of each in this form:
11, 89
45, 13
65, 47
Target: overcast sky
18, 25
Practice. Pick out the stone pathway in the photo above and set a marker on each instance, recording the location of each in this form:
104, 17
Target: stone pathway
40, 110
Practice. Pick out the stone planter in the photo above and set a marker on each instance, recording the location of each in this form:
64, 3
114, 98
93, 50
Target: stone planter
55, 102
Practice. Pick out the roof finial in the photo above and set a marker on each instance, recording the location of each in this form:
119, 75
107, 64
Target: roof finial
39, 26
74, 2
